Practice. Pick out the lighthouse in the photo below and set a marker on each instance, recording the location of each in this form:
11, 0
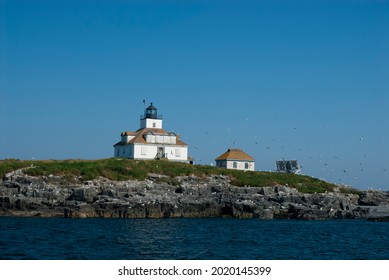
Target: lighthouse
151, 141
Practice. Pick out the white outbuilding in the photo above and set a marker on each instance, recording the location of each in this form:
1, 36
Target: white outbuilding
236, 159
150, 141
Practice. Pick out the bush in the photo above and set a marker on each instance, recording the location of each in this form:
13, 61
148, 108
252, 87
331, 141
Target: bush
10, 165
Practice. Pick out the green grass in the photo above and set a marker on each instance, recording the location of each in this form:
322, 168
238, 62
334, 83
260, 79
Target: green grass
10, 165
125, 169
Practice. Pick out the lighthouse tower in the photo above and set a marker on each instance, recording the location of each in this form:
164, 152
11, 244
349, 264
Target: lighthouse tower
150, 119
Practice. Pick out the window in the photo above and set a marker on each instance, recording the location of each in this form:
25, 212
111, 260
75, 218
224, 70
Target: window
178, 152
154, 125
235, 164
144, 151
118, 152
246, 165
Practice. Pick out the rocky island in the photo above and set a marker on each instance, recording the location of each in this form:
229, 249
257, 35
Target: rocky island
29, 191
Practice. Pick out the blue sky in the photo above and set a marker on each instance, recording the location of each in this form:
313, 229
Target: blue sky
305, 80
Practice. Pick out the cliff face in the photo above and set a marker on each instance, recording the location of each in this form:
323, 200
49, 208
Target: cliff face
190, 196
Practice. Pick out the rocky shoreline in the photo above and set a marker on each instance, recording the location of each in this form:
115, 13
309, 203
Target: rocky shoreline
188, 196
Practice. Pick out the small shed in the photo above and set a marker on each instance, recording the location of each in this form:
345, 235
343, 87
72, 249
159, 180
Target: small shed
236, 159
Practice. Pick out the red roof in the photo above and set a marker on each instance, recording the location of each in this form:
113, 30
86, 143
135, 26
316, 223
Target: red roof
235, 154
140, 139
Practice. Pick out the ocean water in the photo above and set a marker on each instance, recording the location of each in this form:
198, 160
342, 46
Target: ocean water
135, 239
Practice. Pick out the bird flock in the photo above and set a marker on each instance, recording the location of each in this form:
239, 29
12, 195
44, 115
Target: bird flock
329, 155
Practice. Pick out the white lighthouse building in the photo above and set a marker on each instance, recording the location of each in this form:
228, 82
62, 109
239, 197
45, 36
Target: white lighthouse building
150, 141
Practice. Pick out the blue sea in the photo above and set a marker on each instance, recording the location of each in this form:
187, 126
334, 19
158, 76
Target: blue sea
199, 239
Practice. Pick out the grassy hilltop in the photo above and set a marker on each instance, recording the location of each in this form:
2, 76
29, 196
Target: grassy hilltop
126, 169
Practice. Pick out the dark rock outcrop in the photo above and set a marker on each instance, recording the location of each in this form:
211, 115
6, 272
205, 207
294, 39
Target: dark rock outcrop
189, 196
374, 198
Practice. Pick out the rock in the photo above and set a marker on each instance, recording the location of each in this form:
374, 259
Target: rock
268, 191
379, 219
213, 196
11, 184
285, 189
179, 190
374, 198
216, 189
264, 214
5, 202
155, 177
